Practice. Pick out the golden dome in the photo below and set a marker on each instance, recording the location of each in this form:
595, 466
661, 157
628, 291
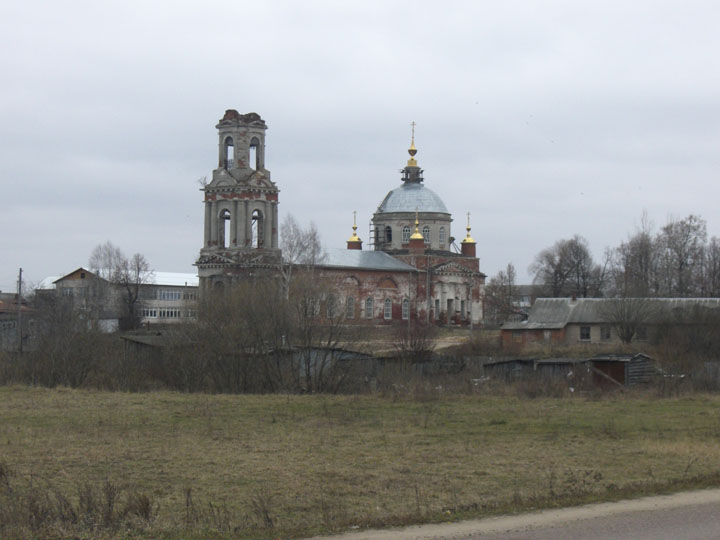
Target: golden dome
354, 237
417, 235
468, 239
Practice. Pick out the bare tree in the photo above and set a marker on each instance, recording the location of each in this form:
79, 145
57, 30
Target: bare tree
567, 268
682, 245
634, 264
299, 247
500, 296
106, 260
711, 269
627, 315
110, 263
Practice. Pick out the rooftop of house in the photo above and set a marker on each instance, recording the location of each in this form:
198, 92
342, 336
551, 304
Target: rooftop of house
556, 313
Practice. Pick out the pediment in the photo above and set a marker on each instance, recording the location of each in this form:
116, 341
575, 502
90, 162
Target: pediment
223, 179
257, 178
452, 268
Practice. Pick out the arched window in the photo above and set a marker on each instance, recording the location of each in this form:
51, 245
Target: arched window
388, 234
330, 307
387, 312
350, 308
426, 234
253, 155
405, 309
257, 229
406, 235
224, 229
441, 236
369, 307
229, 153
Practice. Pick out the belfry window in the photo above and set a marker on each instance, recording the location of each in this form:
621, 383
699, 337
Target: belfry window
225, 221
388, 234
426, 234
441, 236
253, 155
257, 228
387, 312
406, 235
229, 153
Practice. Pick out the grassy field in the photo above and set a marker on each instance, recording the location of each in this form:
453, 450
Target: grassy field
281, 466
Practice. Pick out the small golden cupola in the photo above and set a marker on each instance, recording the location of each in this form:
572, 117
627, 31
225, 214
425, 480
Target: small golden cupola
354, 242
467, 246
417, 240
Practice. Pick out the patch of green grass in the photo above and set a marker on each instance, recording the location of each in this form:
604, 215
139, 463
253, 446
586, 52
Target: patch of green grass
282, 466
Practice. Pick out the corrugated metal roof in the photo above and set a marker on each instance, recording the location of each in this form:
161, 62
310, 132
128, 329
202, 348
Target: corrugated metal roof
555, 313
410, 197
175, 279
369, 260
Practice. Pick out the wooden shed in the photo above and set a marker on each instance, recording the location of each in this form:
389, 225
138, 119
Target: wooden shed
622, 369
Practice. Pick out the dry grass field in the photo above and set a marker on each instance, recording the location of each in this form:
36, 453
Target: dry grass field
90, 464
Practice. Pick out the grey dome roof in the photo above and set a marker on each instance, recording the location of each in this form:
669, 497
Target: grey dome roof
410, 197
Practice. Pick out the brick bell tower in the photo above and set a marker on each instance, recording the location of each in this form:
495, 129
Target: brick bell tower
241, 214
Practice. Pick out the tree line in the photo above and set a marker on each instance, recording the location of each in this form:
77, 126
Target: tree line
676, 261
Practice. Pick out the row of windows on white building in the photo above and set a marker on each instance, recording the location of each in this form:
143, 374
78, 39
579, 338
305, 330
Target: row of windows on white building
406, 234
168, 313
173, 294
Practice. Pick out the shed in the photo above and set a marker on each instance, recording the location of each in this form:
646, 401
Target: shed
622, 369
510, 368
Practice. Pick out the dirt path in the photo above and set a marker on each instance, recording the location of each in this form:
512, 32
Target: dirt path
535, 520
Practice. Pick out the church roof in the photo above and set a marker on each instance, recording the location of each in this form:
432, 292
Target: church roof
410, 197
367, 260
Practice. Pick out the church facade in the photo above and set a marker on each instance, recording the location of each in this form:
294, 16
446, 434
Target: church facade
410, 270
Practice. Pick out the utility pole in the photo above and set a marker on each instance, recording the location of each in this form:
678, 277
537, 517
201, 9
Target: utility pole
19, 312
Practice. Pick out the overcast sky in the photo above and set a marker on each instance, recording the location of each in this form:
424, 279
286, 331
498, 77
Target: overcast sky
544, 119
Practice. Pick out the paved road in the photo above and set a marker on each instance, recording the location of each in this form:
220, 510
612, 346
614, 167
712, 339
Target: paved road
696, 522
693, 515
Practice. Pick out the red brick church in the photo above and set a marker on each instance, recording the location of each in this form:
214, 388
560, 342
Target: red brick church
412, 269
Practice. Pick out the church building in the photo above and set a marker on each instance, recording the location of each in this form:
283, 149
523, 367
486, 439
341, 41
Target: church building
409, 271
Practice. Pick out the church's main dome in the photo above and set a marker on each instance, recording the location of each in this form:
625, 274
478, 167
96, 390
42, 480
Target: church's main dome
412, 197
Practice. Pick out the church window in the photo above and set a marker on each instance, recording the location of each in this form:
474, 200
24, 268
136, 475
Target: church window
369, 307
330, 308
426, 234
253, 154
225, 228
405, 309
388, 309
441, 236
229, 157
257, 228
350, 308
406, 235
388, 234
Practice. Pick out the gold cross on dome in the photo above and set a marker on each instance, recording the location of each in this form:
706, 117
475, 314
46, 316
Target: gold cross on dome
413, 130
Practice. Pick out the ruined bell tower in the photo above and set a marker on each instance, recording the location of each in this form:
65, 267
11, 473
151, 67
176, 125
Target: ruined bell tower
241, 214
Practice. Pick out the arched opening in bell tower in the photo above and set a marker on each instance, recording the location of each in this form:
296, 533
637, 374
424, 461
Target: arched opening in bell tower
254, 155
225, 221
229, 153
258, 226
